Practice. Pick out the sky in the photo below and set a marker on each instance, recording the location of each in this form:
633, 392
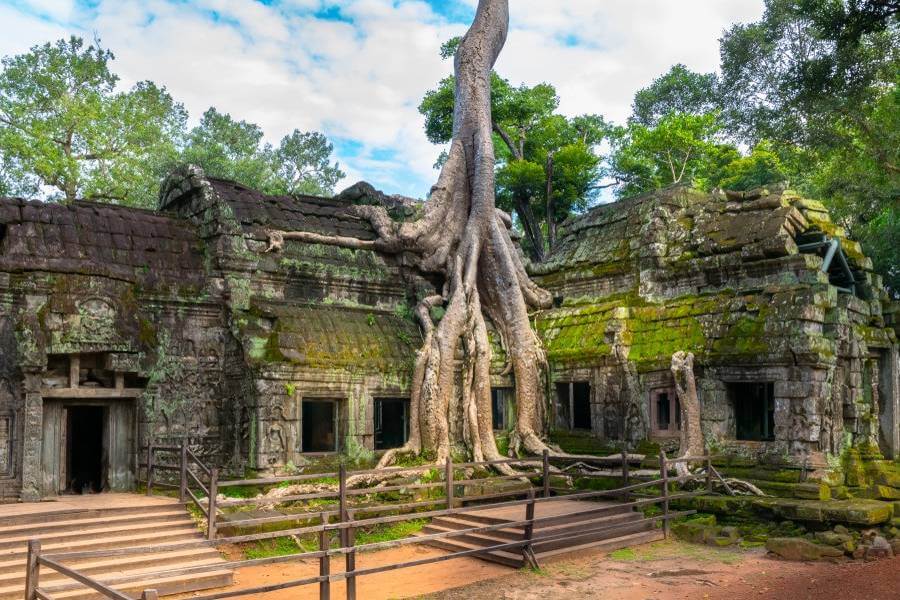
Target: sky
356, 70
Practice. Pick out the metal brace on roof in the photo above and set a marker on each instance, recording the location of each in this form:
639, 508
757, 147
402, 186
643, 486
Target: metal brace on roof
834, 251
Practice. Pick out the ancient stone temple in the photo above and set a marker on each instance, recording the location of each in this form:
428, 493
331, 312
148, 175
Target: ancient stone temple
119, 325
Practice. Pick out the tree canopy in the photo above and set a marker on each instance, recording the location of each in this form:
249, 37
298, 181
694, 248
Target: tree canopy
548, 164
64, 125
66, 129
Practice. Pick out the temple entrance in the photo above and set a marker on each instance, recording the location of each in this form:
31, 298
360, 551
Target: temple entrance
391, 423
85, 452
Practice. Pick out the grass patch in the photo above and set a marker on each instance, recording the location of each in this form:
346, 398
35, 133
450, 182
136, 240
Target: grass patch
674, 549
275, 547
389, 532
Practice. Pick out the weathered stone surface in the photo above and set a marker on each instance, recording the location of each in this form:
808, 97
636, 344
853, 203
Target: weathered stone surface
801, 549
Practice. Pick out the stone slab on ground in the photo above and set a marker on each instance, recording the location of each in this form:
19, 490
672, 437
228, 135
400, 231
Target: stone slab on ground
853, 512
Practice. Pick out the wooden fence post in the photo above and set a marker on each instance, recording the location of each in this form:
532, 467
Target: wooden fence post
150, 595
545, 472
149, 465
709, 473
342, 495
182, 489
324, 561
626, 476
211, 505
664, 470
448, 482
527, 550
33, 569
351, 558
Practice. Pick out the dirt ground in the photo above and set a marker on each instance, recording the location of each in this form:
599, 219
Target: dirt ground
676, 571
664, 570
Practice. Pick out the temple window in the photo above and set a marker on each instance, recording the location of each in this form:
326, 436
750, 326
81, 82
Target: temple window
754, 410
665, 412
319, 425
391, 422
573, 400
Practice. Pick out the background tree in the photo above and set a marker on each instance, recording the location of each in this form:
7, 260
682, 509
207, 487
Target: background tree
680, 148
230, 149
303, 164
63, 123
680, 90
547, 164
818, 80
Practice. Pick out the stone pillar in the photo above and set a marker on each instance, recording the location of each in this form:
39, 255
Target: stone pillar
889, 396
31, 438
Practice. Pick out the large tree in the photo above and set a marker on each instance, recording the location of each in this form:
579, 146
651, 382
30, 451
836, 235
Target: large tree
235, 149
547, 163
463, 238
63, 123
819, 81
679, 90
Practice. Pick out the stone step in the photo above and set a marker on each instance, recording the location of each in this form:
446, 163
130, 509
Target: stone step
98, 530
78, 513
516, 533
79, 523
503, 557
156, 537
166, 586
625, 541
119, 564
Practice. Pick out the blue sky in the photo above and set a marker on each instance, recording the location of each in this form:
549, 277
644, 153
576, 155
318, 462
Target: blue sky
357, 69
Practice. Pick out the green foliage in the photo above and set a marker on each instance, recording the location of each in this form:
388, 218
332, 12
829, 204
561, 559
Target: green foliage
63, 125
282, 546
389, 531
761, 167
681, 147
819, 81
677, 91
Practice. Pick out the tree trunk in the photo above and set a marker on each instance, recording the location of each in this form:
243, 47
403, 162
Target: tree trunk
685, 385
463, 237
551, 222
532, 229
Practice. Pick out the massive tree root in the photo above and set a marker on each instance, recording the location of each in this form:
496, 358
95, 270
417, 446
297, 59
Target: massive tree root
465, 238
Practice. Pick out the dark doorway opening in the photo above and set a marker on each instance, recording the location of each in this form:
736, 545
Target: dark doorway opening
581, 405
391, 423
754, 410
319, 426
499, 401
85, 449
574, 405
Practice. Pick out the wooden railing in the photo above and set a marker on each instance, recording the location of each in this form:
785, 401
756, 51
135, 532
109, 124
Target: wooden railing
347, 524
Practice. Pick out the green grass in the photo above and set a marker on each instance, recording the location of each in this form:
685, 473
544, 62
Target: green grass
275, 547
389, 532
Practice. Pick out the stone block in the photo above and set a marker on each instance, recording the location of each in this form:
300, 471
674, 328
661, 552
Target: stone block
812, 491
801, 549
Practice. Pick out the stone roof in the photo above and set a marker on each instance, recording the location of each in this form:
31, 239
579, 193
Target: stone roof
98, 239
331, 336
719, 274
210, 201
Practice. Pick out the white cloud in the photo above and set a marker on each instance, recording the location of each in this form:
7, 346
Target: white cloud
283, 67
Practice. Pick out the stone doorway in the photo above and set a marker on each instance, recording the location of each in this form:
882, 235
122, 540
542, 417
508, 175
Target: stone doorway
86, 453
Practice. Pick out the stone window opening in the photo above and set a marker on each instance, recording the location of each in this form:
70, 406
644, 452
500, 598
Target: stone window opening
754, 410
391, 421
501, 400
7, 444
319, 426
665, 412
574, 405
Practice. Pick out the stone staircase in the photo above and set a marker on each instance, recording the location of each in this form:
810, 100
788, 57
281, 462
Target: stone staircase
88, 526
572, 520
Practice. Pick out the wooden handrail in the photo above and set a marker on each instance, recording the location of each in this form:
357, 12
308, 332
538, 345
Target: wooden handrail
83, 579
